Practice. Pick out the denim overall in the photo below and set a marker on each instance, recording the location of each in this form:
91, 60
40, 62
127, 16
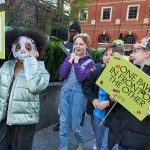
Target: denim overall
72, 106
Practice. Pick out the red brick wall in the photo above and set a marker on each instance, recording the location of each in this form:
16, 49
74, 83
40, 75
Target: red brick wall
119, 11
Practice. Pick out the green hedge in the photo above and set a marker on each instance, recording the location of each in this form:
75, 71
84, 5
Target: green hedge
53, 58
97, 55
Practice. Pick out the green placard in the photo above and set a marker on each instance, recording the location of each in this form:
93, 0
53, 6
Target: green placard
132, 86
2, 35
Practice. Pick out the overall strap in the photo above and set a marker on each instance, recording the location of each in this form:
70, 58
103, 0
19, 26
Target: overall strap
83, 66
68, 83
86, 63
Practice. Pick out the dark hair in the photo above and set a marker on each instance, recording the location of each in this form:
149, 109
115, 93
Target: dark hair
115, 48
38, 37
75, 25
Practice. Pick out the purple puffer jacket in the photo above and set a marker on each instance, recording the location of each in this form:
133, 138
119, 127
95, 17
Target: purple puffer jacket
80, 73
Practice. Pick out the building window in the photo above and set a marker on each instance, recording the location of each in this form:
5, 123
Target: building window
129, 39
106, 14
103, 39
83, 15
133, 12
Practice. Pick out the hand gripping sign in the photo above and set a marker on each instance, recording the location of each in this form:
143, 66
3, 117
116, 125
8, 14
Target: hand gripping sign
131, 85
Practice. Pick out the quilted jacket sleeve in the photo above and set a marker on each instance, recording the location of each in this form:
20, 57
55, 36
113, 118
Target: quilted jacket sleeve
36, 75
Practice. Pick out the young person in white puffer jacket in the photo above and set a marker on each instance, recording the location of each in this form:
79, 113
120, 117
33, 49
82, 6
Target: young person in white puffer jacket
22, 78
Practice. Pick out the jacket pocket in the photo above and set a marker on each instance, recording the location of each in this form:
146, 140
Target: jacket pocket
32, 111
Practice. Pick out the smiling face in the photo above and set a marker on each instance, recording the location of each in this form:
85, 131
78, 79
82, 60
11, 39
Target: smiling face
107, 56
80, 47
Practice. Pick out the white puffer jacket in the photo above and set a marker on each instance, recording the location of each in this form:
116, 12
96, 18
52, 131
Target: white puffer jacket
19, 96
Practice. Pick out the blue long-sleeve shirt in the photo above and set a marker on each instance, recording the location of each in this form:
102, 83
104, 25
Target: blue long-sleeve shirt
102, 96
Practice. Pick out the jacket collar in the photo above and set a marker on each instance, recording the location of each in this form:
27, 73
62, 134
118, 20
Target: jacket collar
146, 69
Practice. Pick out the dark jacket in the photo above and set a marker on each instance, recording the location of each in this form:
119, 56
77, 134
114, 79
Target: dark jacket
128, 131
90, 89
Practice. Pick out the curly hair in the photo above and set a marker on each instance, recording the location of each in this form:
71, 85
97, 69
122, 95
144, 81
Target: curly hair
12, 36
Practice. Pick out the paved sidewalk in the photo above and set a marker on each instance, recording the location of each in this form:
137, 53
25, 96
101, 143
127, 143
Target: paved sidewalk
47, 139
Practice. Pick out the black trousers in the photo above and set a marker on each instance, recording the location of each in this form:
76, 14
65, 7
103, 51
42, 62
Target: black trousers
16, 137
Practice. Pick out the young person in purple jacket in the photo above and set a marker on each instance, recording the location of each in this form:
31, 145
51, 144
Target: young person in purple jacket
74, 71
73, 30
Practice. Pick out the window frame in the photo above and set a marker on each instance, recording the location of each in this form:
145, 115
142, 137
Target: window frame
129, 36
127, 15
102, 13
86, 15
103, 42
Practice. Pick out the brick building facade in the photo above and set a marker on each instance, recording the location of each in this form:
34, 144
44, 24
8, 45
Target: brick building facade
108, 20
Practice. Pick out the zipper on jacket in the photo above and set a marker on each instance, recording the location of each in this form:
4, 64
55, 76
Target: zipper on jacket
10, 88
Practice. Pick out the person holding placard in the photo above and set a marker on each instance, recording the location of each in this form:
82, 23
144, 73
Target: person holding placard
126, 131
99, 99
